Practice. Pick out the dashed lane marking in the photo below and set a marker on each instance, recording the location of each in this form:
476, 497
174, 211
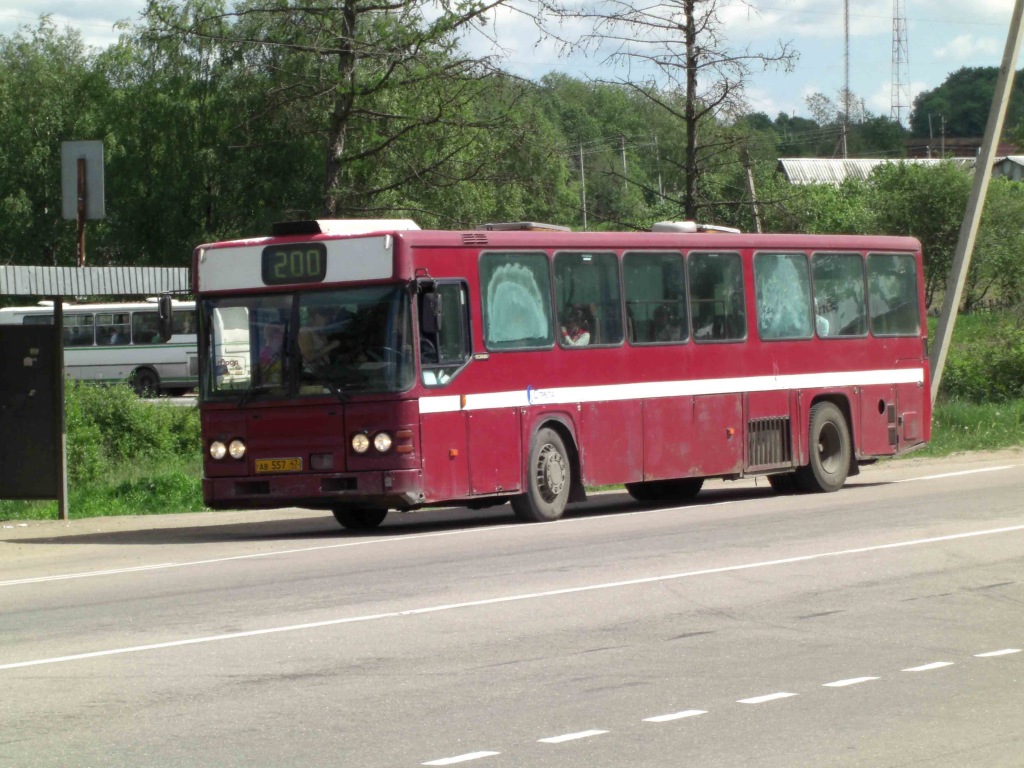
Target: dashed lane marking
570, 737
850, 681
675, 716
462, 758
1004, 652
929, 667
767, 697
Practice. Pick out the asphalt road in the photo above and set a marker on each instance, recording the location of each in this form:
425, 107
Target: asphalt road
879, 626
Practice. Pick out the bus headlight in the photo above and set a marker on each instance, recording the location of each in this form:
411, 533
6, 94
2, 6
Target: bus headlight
218, 450
360, 443
236, 449
382, 442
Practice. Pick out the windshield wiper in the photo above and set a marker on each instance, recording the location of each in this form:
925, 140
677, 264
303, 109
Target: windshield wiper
255, 386
323, 374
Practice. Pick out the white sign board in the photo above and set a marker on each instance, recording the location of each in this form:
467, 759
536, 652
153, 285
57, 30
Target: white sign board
91, 153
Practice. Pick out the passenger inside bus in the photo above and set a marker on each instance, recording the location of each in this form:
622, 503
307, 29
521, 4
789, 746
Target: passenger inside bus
314, 344
666, 326
271, 353
576, 330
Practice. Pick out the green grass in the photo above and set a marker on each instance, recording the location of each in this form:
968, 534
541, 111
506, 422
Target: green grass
961, 426
168, 487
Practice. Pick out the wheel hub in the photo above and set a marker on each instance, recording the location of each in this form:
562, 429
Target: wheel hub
552, 473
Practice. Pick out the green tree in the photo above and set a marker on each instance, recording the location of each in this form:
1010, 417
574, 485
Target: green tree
926, 202
377, 84
48, 94
963, 102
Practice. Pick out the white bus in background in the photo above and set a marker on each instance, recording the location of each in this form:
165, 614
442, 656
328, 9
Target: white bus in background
122, 342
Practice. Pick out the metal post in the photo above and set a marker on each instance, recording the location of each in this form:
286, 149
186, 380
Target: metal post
81, 211
583, 189
60, 433
976, 201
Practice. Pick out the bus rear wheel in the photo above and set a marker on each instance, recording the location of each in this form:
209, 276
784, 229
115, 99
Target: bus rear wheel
666, 490
146, 382
548, 482
359, 519
829, 448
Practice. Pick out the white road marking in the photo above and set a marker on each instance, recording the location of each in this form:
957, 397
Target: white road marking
570, 737
953, 474
675, 716
521, 597
415, 537
1004, 652
851, 681
767, 697
929, 667
461, 758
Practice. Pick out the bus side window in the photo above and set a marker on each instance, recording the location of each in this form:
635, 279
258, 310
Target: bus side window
78, 330
516, 294
587, 298
892, 295
184, 322
839, 294
782, 285
716, 296
655, 298
145, 328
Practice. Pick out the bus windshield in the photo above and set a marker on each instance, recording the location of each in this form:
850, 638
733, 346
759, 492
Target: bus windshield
343, 342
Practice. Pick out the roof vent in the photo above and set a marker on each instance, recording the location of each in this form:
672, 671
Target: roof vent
690, 227
523, 226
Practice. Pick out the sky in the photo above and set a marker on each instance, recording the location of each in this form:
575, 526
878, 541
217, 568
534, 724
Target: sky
941, 37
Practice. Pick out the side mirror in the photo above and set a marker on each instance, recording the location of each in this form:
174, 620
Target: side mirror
164, 311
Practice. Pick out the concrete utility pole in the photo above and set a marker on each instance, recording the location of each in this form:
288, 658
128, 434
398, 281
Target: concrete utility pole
976, 201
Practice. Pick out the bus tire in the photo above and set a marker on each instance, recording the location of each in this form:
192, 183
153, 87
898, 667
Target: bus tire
146, 382
548, 482
359, 519
829, 449
666, 490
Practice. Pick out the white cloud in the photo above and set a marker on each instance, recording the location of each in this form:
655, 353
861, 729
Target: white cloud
967, 48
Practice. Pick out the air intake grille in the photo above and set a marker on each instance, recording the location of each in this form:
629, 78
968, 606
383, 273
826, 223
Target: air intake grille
768, 442
474, 238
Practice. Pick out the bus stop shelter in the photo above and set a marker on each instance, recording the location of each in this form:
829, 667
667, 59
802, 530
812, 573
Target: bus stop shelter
33, 439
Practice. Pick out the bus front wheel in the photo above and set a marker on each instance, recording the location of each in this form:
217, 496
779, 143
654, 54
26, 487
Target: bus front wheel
829, 448
359, 519
549, 479
146, 382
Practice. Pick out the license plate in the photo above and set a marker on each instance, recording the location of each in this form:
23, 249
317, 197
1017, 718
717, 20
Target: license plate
279, 465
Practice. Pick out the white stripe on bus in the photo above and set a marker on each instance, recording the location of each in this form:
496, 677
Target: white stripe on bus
657, 389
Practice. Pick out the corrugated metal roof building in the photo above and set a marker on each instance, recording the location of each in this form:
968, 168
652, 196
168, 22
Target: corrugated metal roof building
809, 170
93, 281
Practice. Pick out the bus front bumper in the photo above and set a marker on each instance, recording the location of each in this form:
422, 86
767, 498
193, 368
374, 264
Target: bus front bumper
393, 489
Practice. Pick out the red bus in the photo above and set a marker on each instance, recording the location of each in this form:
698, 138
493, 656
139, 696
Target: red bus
368, 366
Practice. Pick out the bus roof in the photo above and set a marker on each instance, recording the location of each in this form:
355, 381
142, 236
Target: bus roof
672, 235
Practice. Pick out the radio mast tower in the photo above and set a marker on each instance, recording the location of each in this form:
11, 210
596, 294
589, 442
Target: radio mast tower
900, 63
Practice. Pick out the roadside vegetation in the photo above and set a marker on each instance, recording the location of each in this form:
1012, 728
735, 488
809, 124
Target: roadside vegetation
128, 456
